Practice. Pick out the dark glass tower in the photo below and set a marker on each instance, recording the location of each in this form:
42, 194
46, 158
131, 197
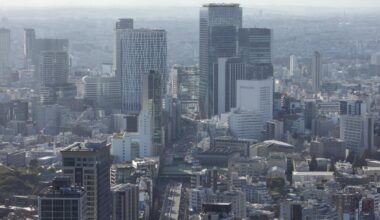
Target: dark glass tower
219, 24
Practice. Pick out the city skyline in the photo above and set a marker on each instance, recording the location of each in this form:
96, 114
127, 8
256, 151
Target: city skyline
219, 111
193, 3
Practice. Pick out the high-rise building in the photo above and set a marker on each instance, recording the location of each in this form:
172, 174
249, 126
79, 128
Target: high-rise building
62, 201
184, 86
219, 24
123, 23
245, 124
257, 96
54, 68
54, 72
125, 201
88, 165
352, 107
141, 51
29, 38
33, 48
255, 45
316, 71
19, 110
5, 52
152, 102
357, 131
310, 113
293, 65
274, 130
136, 141
229, 70
103, 92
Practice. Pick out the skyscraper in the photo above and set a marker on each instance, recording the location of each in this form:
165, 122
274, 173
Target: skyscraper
29, 38
62, 201
121, 24
256, 95
316, 71
125, 198
219, 24
152, 102
136, 141
54, 67
255, 45
54, 72
88, 165
5, 52
229, 71
33, 48
185, 86
293, 65
141, 50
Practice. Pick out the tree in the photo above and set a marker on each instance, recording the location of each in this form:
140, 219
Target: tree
275, 184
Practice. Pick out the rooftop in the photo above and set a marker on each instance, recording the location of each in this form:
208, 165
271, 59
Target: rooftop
64, 192
221, 5
312, 173
122, 187
90, 146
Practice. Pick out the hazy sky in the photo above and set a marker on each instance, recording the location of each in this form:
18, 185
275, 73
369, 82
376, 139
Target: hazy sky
155, 3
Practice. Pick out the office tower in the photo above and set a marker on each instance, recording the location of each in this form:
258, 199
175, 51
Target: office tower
136, 141
229, 70
145, 139
255, 45
274, 130
352, 107
103, 92
293, 65
257, 96
173, 85
33, 48
123, 23
125, 202
328, 148
316, 71
54, 67
62, 201
358, 132
245, 124
54, 72
310, 113
185, 85
5, 52
141, 50
88, 165
152, 102
29, 38
19, 110
219, 24
356, 125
